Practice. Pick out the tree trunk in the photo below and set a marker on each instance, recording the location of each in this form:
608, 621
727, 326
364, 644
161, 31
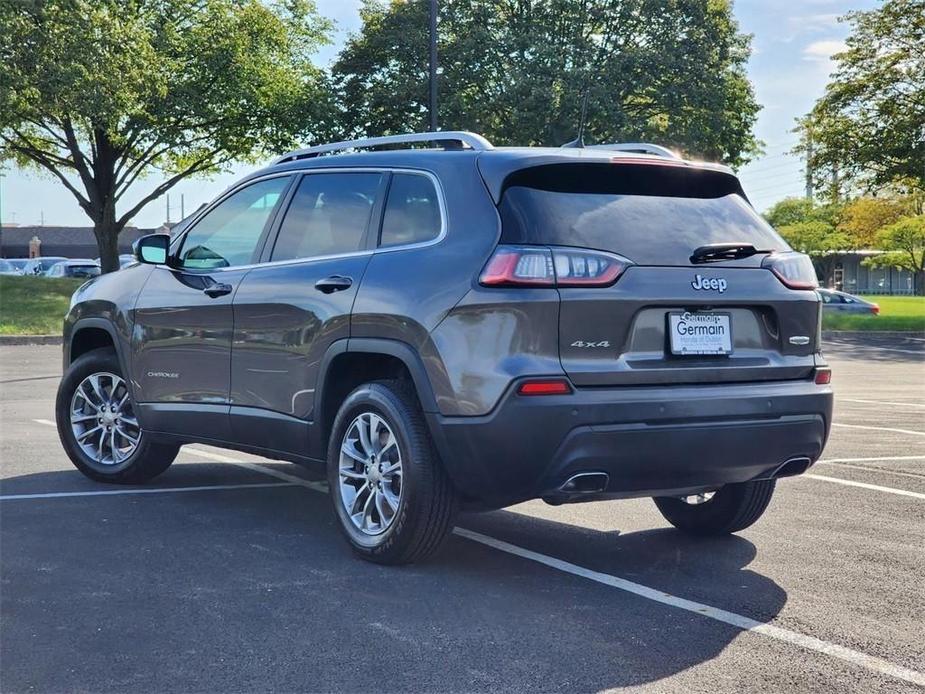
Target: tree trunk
918, 283
107, 241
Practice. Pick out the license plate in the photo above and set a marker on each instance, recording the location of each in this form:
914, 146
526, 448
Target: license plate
700, 332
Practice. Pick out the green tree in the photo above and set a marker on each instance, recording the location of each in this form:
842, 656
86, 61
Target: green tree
868, 130
516, 71
102, 92
796, 210
820, 240
904, 241
862, 218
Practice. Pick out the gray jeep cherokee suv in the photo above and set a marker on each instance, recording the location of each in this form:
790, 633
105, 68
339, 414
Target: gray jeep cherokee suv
463, 326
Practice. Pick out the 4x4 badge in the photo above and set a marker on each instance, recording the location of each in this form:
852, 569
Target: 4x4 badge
707, 285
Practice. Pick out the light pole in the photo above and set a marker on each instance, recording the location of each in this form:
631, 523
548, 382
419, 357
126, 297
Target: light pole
433, 66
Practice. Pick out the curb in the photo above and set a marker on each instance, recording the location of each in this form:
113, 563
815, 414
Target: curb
6, 340
834, 334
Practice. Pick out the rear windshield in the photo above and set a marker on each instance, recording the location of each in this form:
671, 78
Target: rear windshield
655, 225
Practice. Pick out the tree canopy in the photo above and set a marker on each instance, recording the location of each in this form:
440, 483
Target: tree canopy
101, 92
671, 72
868, 130
904, 241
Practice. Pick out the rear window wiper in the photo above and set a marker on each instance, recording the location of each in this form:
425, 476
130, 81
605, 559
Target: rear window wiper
724, 251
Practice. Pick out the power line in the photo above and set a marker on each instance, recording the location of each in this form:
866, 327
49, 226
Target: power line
761, 180
772, 167
776, 186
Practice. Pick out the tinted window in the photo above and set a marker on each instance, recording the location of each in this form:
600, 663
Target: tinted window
412, 213
328, 215
653, 215
228, 234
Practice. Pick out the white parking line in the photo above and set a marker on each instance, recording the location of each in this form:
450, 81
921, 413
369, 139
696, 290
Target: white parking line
873, 663
863, 426
317, 486
884, 349
864, 485
882, 402
872, 460
883, 471
46, 422
162, 490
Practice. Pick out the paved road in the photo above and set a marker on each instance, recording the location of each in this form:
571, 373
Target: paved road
246, 587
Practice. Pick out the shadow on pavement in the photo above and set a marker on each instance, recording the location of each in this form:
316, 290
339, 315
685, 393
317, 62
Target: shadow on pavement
247, 590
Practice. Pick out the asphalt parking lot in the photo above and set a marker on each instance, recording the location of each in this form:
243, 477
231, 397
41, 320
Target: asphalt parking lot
229, 575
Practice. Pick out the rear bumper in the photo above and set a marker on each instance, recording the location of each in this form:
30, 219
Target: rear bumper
649, 441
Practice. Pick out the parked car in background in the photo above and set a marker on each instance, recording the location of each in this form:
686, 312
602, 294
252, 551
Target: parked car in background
124, 260
7, 268
833, 300
79, 267
39, 266
18, 263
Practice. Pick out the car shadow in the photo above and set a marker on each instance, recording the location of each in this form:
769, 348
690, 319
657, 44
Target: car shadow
214, 577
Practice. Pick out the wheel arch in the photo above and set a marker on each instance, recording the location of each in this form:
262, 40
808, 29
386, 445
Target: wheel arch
350, 362
94, 333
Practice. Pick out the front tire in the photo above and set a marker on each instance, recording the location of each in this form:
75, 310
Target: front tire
732, 508
98, 426
392, 499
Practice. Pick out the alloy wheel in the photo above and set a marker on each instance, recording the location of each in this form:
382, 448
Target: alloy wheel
102, 419
370, 474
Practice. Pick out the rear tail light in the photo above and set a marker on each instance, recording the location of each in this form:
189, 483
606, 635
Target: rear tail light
537, 266
794, 270
550, 386
822, 377
875, 309
519, 266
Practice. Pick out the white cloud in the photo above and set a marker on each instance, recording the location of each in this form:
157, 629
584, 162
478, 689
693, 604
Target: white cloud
822, 51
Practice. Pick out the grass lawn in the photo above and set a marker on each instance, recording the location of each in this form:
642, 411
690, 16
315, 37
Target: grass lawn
896, 313
34, 305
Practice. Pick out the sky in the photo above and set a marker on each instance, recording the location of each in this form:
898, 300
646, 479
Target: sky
793, 41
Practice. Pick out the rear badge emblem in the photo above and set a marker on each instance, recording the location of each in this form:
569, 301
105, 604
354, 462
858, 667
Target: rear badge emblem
709, 285
799, 340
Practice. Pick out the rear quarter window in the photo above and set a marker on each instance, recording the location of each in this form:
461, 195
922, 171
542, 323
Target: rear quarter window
412, 211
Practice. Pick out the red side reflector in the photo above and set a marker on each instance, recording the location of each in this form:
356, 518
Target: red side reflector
557, 386
823, 377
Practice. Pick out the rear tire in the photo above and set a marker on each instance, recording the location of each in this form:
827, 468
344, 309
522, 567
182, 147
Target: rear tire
393, 501
116, 460
733, 508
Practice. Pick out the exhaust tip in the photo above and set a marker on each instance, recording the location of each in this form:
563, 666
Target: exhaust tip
585, 483
793, 467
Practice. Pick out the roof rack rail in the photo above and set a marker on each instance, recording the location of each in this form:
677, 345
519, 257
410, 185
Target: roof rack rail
639, 148
459, 138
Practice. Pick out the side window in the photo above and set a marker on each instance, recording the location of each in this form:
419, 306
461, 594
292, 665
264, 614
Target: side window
329, 215
412, 213
227, 236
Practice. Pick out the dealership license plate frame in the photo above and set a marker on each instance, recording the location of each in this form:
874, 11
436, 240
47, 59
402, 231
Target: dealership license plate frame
708, 347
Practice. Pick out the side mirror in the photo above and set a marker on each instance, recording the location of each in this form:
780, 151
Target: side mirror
152, 249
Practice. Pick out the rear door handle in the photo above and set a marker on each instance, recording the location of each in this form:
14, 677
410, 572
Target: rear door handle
334, 283
217, 289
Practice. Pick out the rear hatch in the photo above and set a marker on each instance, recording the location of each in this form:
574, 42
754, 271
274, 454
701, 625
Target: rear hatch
670, 316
